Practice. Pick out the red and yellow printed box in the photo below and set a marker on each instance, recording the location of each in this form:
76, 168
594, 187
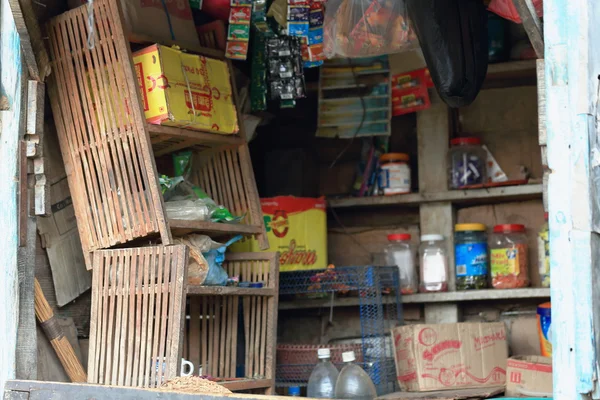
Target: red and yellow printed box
185, 90
297, 229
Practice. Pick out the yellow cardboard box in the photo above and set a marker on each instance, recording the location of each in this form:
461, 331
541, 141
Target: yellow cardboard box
297, 229
185, 90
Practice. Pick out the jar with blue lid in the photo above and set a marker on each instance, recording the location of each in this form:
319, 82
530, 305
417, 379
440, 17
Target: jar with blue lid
471, 256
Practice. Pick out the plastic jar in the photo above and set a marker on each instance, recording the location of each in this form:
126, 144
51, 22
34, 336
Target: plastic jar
509, 257
394, 174
467, 163
471, 256
543, 241
400, 253
434, 264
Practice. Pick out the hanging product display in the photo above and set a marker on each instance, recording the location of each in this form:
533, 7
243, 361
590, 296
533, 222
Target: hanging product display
285, 73
434, 264
509, 257
238, 33
454, 39
409, 92
365, 28
471, 256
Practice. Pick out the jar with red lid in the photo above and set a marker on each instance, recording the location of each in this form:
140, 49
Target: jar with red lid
509, 261
394, 174
400, 253
467, 163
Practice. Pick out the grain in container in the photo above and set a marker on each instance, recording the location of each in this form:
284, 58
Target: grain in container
394, 174
509, 257
467, 163
471, 256
400, 253
434, 264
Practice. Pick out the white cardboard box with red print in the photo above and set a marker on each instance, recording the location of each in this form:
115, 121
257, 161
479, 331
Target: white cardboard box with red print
448, 356
529, 376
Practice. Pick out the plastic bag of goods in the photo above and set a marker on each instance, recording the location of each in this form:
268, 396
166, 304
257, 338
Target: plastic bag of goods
365, 28
506, 9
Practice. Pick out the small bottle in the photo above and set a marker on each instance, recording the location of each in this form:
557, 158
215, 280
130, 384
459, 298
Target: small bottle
400, 253
321, 384
434, 264
294, 391
354, 383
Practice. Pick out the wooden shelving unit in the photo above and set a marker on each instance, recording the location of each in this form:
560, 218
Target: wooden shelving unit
423, 298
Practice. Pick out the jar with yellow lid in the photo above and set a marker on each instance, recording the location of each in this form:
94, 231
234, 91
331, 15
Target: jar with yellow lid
394, 174
471, 256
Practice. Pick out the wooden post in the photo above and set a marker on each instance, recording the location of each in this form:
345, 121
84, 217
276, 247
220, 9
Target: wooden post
433, 135
11, 86
572, 68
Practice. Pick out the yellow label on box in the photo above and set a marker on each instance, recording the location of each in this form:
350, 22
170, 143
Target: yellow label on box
505, 262
297, 229
185, 90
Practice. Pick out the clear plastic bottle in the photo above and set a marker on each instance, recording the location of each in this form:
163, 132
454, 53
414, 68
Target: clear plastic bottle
321, 384
434, 264
400, 253
353, 382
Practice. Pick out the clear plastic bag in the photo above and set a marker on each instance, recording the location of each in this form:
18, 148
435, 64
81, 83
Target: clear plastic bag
365, 28
506, 9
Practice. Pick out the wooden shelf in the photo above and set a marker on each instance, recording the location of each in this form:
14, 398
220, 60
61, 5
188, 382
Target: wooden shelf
183, 227
472, 196
168, 139
195, 290
422, 298
247, 384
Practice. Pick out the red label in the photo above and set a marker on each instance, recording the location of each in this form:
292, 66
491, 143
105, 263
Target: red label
408, 377
176, 8
482, 342
139, 72
515, 377
293, 256
427, 337
202, 101
430, 354
291, 205
280, 224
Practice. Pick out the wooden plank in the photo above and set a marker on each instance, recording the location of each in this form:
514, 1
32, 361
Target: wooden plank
198, 137
452, 394
196, 290
532, 24
184, 227
194, 346
11, 99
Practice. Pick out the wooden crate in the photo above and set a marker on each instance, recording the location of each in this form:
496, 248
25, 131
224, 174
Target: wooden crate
231, 326
109, 149
138, 308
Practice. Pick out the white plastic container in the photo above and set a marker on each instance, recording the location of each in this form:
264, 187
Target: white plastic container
354, 383
434, 264
400, 253
321, 384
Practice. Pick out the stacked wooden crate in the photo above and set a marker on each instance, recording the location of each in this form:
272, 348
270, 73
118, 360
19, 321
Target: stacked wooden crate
109, 151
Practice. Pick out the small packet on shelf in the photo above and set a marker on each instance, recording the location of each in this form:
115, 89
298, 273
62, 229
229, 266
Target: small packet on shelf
238, 34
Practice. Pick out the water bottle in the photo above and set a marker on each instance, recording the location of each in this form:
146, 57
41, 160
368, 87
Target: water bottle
353, 382
321, 384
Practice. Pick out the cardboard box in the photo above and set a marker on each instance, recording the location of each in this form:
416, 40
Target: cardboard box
185, 90
447, 356
148, 18
297, 229
529, 376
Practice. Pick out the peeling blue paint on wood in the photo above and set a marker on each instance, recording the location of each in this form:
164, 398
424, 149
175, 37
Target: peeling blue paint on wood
10, 125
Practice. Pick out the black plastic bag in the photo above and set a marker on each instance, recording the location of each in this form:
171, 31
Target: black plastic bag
454, 38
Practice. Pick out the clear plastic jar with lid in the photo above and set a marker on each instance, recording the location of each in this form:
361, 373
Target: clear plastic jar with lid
467, 163
394, 174
471, 256
544, 253
400, 253
509, 257
434, 264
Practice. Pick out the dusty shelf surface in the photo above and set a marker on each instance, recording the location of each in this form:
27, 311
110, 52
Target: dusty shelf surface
448, 297
470, 196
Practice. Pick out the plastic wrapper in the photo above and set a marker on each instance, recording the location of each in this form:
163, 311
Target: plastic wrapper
506, 9
454, 40
364, 28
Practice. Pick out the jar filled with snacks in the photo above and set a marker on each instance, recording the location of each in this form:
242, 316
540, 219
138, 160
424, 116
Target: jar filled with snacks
471, 256
509, 257
467, 163
400, 253
394, 174
434, 264
543, 240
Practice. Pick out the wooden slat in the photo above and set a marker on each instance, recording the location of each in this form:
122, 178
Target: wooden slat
194, 333
102, 131
136, 330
